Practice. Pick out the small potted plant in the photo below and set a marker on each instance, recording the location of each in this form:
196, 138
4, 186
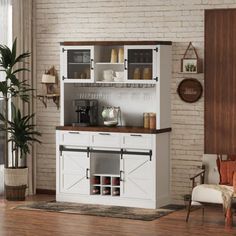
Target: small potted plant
20, 130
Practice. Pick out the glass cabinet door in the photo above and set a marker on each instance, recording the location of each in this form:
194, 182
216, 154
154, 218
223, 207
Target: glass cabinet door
79, 64
140, 63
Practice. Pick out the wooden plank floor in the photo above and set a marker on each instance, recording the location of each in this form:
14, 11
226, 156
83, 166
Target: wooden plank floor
23, 222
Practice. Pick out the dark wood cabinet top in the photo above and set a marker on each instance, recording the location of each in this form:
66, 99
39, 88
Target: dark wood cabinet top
119, 129
112, 43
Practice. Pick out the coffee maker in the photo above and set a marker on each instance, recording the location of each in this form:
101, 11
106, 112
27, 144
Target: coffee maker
86, 112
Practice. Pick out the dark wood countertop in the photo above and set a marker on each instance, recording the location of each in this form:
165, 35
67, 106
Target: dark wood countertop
119, 129
110, 43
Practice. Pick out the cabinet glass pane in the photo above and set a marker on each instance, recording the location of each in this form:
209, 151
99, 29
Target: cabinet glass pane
140, 64
78, 66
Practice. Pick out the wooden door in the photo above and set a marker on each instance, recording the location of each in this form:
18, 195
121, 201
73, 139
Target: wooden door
74, 172
220, 81
137, 177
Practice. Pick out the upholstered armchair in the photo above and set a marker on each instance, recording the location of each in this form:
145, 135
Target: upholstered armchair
215, 182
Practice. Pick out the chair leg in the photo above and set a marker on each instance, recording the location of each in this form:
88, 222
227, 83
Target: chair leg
203, 210
189, 209
228, 218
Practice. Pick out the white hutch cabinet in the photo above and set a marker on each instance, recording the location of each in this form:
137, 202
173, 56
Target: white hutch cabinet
126, 165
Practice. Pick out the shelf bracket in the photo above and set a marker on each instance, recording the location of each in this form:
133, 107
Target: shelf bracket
44, 98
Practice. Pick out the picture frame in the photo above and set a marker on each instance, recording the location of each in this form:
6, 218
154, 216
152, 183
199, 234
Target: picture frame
191, 65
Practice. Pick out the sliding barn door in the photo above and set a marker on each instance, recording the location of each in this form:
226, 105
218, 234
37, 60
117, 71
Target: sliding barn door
220, 81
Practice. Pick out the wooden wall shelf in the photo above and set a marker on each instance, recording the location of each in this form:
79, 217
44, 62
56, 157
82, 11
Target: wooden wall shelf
44, 98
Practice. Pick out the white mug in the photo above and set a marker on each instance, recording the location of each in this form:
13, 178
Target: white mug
120, 74
108, 75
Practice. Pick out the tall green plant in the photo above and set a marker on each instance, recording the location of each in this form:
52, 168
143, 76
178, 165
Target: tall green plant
11, 86
22, 134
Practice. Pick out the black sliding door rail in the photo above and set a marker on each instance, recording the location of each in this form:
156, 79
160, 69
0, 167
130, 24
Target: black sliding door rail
120, 152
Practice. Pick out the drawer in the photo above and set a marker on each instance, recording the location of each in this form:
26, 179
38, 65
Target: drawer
75, 138
137, 141
106, 140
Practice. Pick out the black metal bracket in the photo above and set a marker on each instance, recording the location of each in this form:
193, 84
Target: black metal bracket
156, 78
138, 153
150, 153
62, 148
87, 170
156, 49
92, 64
63, 50
121, 155
63, 77
88, 152
105, 151
121, 179
125, 64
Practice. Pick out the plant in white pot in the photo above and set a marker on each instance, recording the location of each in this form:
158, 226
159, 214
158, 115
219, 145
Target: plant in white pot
19, 129
21, 135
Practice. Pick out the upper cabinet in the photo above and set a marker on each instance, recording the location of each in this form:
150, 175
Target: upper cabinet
132, 76
140, 63
77, 64
111, 63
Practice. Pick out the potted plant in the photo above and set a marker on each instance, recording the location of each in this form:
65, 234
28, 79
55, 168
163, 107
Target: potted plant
19, 129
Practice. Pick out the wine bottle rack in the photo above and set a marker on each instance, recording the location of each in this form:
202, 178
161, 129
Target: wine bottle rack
105, 185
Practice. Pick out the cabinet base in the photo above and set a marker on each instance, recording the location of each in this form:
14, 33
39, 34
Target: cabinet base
113, 201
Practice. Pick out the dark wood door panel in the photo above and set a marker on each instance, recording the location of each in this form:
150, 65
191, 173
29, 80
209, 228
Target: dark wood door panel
220, 84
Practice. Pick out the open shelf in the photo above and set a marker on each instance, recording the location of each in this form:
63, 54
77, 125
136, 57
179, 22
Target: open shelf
140, 63
105, 185
109, 63
115, 191
79, 63
130, 81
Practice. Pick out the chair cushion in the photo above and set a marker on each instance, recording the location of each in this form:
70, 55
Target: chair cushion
202, 193
231, 170
223, 171
226, 170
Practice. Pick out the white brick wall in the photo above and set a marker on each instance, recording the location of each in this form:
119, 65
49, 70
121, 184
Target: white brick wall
179, 21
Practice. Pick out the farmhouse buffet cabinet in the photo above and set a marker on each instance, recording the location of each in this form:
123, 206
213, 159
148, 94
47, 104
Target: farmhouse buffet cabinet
131, 170
127, 165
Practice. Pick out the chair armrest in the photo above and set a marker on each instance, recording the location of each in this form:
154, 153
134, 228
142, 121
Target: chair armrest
202, 177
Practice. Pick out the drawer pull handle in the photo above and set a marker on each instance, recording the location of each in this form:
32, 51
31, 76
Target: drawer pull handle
74, 132
92, 64
125, 64
104, 134
87, 175
136, 135
121, 177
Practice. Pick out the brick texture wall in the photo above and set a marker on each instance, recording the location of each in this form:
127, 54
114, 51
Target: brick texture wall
179, 21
